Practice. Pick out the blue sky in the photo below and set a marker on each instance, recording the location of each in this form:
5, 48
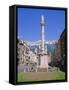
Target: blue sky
29, 23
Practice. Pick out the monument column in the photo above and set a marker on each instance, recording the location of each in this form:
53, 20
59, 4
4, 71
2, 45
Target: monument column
43, 55
42, 26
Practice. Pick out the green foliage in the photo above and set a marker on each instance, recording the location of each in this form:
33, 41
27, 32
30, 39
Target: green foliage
53, 59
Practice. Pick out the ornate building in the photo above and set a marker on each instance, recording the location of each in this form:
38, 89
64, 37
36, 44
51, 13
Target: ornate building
27, 60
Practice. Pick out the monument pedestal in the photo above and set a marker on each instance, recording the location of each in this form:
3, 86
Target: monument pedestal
43, 60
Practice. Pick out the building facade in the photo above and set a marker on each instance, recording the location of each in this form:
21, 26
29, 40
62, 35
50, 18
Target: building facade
60, 51
27, 60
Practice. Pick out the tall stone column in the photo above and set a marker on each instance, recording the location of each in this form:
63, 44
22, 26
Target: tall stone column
42, 26
43, 55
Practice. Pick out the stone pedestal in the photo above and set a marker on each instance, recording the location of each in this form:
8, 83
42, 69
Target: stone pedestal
43, 60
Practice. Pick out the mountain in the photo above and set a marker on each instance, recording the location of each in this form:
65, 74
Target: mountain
35, 45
